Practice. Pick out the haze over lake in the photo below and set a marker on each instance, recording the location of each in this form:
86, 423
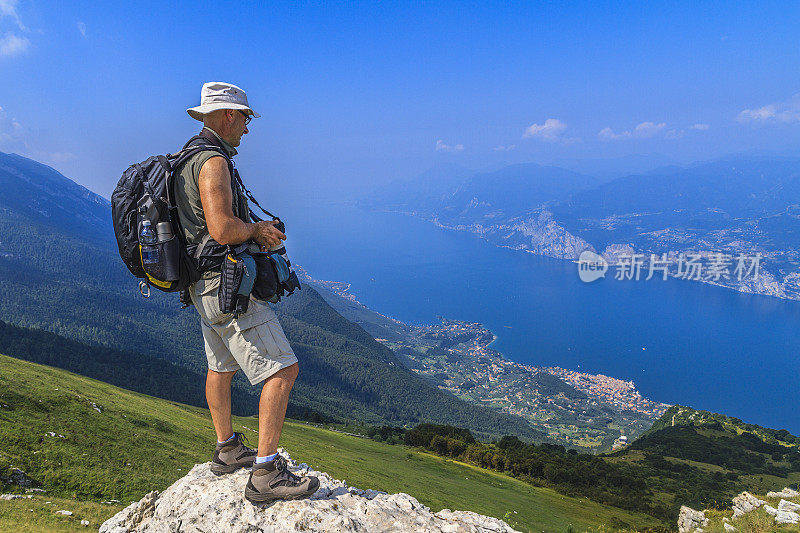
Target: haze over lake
681, 342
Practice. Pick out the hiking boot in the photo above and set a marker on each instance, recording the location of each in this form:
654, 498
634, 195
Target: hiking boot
273, 481
232, 455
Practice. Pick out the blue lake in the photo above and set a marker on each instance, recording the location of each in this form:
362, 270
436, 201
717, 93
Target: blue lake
681, 342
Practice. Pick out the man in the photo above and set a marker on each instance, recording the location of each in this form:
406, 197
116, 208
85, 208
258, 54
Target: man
211, 204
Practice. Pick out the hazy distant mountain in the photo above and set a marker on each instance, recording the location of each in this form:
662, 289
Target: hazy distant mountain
455, 194
31, 189
740, 188
421, 193
510, 191
609, 168
729, 205
734, 206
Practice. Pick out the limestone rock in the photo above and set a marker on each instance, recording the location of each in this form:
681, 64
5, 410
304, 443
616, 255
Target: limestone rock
744, 503
729, 527
200, 501
787, 517
770, 510
690, 520
14, 496
785, 493
789, 506
64, 512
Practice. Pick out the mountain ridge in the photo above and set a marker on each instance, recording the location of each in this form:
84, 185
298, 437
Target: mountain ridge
736, 206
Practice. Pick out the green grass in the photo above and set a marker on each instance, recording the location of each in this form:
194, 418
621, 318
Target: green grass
39, 514
140, 443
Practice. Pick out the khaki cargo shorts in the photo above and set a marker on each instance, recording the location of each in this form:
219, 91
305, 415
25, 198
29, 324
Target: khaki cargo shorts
254, 342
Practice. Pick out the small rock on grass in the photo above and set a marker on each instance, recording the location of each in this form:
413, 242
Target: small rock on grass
785, 505
785, 493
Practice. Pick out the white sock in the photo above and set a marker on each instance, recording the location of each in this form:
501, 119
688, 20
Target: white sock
229, 439
266, 458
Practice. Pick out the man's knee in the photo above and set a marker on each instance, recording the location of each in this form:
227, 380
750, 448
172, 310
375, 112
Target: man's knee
218, 377
291, 372
287, 373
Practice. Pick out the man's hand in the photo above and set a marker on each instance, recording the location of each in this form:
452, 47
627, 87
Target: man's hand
267, 235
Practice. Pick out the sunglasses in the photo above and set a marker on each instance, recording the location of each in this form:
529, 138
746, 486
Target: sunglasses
247, 118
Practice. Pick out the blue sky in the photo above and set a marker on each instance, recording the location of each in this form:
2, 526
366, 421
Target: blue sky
356, 94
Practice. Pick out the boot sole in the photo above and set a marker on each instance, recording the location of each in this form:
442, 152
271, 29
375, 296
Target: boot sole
220, 470
257, 497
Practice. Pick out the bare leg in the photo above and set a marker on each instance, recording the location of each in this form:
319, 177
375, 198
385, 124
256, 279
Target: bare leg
272, 408
218, 396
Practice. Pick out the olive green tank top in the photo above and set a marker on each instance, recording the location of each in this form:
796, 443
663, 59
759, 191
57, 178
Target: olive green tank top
187, 194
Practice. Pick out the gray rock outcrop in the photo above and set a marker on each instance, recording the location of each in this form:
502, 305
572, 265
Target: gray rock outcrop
744, 503
789, 506
785, 493
787, 517
17, 477
691, 520
787, 512
201, 501
770, 510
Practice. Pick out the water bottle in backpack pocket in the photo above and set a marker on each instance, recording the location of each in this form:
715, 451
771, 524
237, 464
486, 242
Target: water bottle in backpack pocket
160, 252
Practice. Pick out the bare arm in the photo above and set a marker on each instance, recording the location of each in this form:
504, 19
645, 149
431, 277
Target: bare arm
217, 198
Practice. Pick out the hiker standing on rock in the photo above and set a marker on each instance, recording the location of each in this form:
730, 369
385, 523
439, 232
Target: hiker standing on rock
211, 205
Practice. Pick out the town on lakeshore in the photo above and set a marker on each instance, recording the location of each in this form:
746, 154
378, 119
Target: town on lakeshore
576, 409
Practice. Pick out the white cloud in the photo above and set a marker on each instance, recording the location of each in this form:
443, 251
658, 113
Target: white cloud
607, 134
645, 130
8, 8
502, 148
550, 131
786, 112
12, 45
82, 29
699, 127
442, 147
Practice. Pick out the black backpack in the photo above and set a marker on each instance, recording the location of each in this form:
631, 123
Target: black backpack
145, 196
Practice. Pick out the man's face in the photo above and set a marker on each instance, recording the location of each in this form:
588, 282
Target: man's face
237, 127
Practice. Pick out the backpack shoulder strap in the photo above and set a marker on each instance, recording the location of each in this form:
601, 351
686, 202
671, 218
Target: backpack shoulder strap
196, 144
205, 141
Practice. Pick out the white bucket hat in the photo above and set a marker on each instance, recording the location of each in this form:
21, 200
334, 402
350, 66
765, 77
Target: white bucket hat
219, 95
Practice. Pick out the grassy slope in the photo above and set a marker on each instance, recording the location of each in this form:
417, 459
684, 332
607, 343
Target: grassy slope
139, 443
